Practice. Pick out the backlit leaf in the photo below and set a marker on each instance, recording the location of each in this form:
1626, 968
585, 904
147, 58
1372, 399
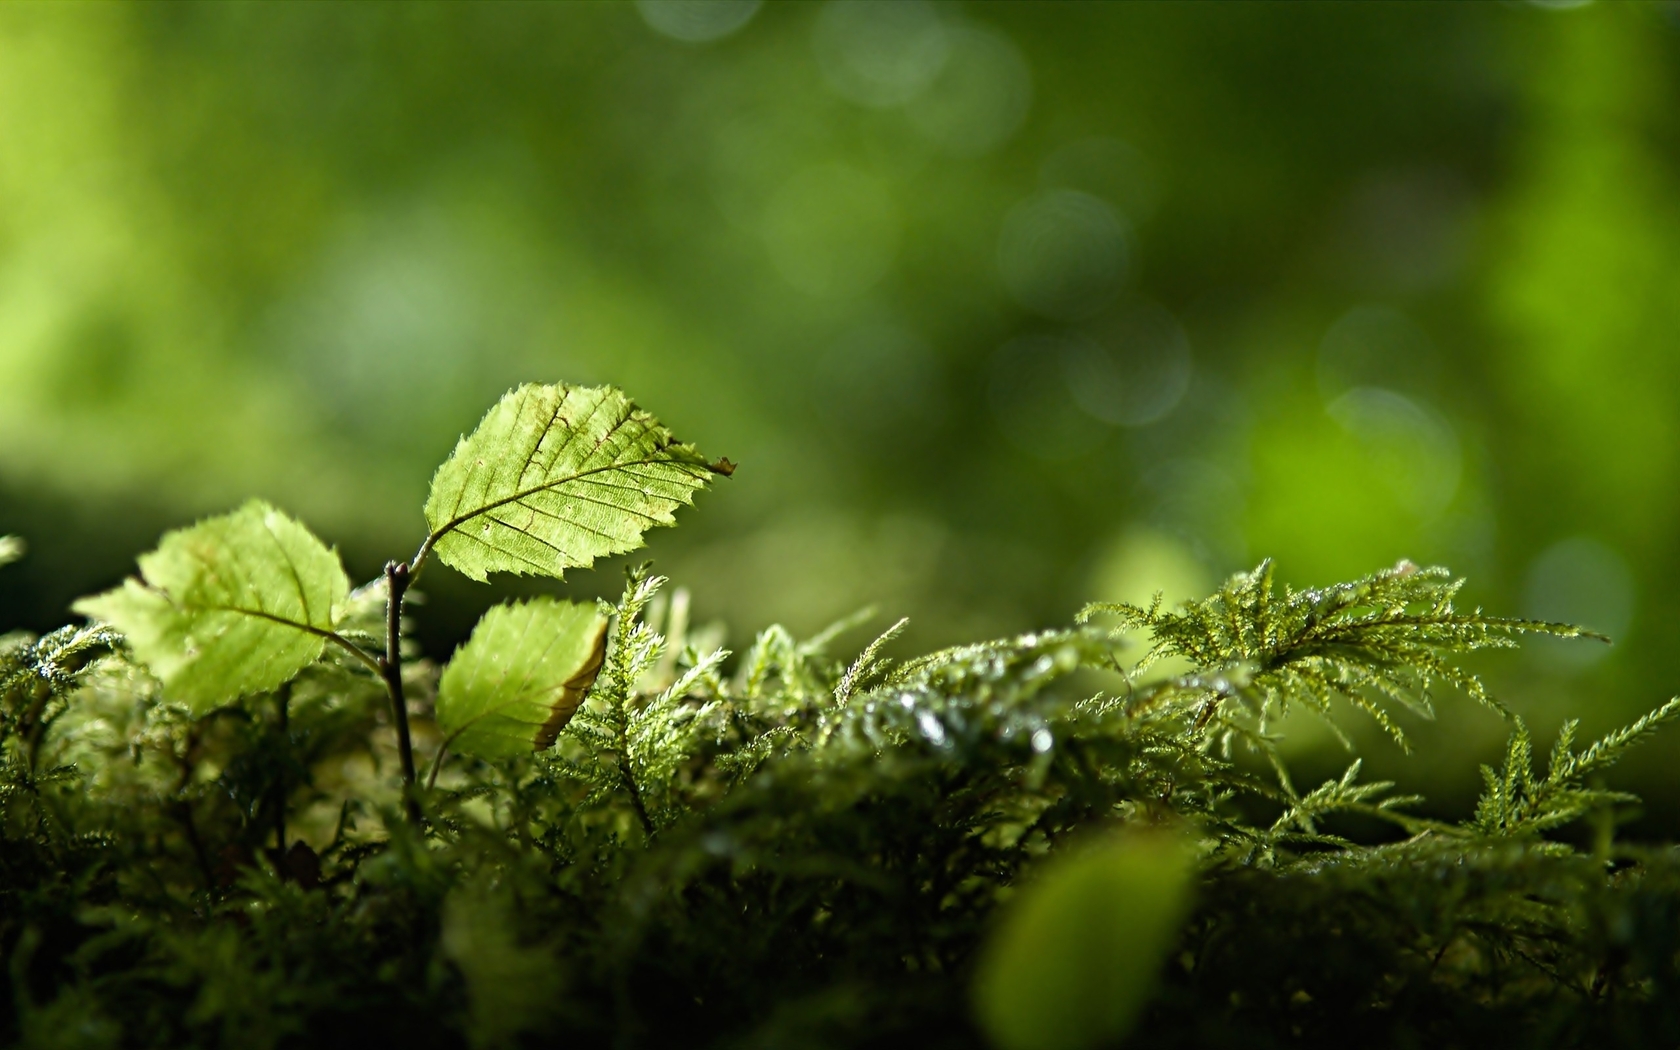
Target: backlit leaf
235, 604
520, 677
555, 477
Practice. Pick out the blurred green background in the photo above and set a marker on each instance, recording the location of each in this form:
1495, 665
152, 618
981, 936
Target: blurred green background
1001, 307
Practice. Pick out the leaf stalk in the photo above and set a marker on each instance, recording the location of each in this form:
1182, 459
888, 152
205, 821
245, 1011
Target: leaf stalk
397, 579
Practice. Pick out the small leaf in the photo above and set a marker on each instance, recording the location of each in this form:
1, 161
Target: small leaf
555, 477
11, 549
520, 677
236, 604
1078, 951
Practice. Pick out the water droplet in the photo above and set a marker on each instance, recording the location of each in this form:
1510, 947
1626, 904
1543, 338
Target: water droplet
931, 728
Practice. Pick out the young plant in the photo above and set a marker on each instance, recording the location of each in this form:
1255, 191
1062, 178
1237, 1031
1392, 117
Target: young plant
553, 478
1018, 840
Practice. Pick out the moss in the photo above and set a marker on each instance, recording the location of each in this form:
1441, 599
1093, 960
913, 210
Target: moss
751, 853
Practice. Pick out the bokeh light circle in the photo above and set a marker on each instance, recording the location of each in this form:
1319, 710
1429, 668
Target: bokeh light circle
980, 98
878, 54
1133, 370
697, 21
1583, 581
1063, 254
1030, 399
1411, 449
1379, 346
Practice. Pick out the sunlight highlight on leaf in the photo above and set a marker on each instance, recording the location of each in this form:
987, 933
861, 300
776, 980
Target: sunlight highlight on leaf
555, 477
520, 677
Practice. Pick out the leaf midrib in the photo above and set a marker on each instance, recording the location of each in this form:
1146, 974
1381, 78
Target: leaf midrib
456, 522
307, 628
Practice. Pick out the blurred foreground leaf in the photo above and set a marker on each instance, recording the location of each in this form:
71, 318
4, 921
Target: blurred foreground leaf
511, 988
1077, 954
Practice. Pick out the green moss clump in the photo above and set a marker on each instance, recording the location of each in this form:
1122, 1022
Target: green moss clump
787, 849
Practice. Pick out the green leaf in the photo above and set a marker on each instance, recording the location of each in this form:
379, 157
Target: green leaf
236, 604
1077, 953
520, 677
555, 477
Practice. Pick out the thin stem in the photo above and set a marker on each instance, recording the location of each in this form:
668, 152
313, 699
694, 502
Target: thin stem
443, 751
418, 562
437, 764
635, 796
621, 730
357, 651
34, 725
1205, 715
283, 697
184, 811
396, 583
